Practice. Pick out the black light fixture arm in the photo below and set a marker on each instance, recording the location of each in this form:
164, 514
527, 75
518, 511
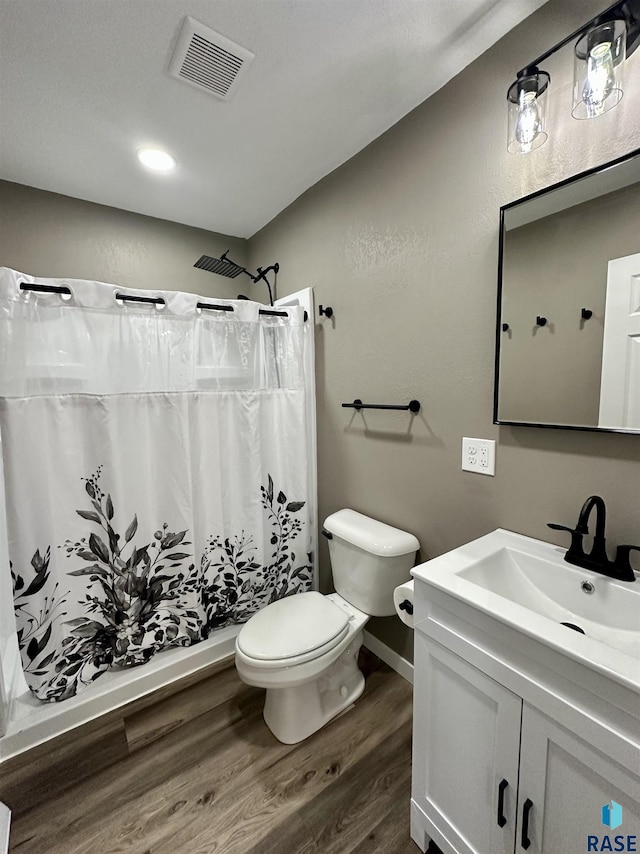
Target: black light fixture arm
627, 10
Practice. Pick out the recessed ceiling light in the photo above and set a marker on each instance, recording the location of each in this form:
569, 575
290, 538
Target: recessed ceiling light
155, 159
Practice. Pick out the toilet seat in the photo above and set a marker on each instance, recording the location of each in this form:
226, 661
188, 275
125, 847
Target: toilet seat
293, 630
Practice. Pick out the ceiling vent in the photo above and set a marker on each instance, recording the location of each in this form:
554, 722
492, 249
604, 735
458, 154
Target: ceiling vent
208, 60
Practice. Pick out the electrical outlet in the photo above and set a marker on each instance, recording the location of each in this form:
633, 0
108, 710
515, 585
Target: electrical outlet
479, 455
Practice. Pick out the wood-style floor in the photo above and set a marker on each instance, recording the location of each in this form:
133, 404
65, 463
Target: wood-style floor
199, 772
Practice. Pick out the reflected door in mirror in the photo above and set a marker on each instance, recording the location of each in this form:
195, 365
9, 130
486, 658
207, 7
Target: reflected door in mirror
620, 383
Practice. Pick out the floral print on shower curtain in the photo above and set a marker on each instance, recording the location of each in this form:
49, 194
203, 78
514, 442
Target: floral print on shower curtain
158, 499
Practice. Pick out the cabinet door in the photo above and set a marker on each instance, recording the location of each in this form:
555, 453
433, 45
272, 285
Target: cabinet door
567, 781
466, 742
5, 824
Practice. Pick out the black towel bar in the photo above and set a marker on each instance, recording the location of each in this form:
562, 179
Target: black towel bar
413, 406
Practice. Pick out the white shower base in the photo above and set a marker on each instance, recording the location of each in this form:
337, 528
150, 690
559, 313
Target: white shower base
33, 722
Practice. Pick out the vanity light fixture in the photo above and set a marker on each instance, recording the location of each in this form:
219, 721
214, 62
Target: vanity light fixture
602, 46
156, 159
597, 69
527, 99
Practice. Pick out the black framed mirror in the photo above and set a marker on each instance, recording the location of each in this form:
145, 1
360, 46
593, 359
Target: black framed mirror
568, 322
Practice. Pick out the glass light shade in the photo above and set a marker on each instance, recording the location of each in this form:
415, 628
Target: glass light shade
527, 104
597, 69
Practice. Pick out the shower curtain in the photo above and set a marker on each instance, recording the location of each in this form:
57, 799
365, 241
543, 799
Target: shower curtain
156, 470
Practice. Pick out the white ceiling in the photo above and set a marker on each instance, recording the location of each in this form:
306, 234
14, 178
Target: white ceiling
84, 84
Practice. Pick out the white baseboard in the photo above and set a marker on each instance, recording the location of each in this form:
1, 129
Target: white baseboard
389, 656
5, 824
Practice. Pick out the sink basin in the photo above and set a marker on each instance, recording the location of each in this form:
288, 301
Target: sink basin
607, 610
527, 584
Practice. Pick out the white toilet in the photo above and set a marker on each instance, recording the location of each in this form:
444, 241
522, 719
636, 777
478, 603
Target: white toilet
304, 649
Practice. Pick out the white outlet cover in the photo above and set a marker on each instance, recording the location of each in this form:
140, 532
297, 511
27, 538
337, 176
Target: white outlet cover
479, 455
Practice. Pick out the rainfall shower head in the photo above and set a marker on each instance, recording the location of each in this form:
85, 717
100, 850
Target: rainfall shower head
221, 266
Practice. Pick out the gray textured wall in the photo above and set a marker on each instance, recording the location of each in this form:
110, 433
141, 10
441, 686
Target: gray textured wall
45, 234
554, 267
403, 242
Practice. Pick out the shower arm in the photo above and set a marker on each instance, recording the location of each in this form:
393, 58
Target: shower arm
261, 274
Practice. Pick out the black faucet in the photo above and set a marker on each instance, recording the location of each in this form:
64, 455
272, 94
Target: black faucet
597, 560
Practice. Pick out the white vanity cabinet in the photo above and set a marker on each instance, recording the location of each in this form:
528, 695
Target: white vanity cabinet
503, 762
568, 780
466, 740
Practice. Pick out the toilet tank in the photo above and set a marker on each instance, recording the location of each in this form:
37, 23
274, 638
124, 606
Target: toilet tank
369, 560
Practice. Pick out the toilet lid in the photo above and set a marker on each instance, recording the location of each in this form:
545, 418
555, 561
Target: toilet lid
293, 626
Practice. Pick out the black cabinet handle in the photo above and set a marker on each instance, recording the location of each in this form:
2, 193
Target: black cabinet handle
502, 819
526, 809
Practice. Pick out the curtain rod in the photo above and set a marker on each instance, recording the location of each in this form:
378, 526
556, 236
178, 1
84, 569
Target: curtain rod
57, 289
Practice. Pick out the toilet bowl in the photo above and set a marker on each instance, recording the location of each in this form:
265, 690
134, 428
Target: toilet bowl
306, 687
304, 649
